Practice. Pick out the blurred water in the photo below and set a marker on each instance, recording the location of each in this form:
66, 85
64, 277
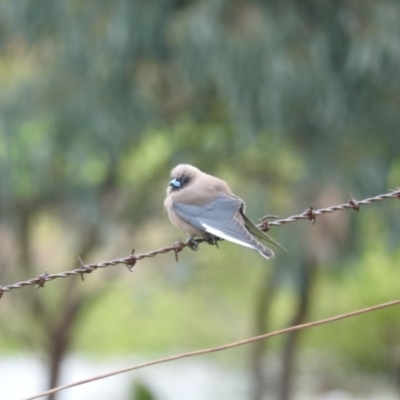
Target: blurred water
23, 376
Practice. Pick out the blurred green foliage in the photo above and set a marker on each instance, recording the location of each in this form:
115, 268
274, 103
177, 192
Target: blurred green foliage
141, 391
291, 102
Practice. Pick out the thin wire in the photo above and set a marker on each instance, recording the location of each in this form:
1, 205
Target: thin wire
218, 348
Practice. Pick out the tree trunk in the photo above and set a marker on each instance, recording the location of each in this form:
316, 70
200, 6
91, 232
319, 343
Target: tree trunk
289, 354
258, 349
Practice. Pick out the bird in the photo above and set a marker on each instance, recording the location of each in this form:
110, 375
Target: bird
203, 205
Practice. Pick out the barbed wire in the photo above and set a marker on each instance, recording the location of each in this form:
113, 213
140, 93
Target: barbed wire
131, 260
218, 348
353, 204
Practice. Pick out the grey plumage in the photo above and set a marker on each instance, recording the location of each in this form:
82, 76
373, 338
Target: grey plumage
202, 204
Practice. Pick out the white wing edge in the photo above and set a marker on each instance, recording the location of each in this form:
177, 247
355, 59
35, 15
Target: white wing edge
223, 235
265, 256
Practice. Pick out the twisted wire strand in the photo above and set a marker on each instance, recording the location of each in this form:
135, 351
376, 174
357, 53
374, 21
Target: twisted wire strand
130, 261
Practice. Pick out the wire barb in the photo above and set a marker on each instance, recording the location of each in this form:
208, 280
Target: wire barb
354, 203
41, 279
177, 247
311, 214
130, 263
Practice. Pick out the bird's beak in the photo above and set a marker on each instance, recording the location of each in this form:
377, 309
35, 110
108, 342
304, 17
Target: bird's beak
175, 183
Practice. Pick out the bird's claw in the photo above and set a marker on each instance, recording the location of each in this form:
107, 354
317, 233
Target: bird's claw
193, 244
213, 240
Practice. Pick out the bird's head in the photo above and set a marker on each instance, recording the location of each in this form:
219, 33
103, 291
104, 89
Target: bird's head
182, 176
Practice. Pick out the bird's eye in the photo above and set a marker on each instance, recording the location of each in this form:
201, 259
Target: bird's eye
185, 179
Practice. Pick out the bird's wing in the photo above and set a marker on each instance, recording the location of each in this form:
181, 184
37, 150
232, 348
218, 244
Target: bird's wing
258, 233
218, 218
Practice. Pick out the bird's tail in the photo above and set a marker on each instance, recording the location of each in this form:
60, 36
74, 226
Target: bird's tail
238, 233
254, 230
264, 251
